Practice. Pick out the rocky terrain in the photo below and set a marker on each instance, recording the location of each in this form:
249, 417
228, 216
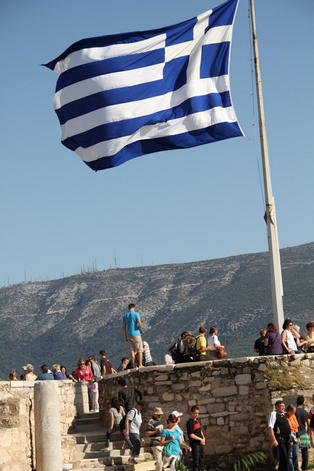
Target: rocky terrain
62, 320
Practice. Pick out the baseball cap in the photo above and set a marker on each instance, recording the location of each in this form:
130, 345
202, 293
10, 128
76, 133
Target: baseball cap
176, 413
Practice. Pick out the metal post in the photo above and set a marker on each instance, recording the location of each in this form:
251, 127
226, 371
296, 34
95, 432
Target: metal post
270, 214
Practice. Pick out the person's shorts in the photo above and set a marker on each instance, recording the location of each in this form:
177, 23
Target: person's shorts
135, 344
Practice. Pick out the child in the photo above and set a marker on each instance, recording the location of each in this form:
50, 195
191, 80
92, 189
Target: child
197, 439
93, 385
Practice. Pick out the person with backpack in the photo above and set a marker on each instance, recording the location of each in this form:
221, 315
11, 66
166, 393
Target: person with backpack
117, 414
201, 346
133, 424
178, 350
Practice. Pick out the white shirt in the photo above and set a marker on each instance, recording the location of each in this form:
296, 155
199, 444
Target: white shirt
290, 341
135, 418
211, 340
169, 359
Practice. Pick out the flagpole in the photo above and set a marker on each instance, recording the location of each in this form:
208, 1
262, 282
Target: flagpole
270, 214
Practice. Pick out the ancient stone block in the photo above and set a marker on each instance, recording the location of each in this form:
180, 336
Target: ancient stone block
243, 378
223, 392
168, 396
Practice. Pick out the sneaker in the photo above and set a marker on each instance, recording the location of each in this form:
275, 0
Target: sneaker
135, 461
106, 448
131, 459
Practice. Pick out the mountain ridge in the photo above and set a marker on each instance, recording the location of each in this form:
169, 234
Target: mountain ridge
61, 320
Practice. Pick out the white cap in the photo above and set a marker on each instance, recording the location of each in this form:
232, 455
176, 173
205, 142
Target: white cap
176, 413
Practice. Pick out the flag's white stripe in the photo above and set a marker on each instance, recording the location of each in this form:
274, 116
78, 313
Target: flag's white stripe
194, 66
216, 35
92, 54
173, 127
133, 77
107, 82
124, 111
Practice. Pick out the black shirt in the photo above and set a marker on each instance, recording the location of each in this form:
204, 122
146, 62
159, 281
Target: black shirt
194, 426
128, 397
301, 416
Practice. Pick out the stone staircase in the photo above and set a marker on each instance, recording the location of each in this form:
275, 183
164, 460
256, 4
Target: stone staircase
90, 454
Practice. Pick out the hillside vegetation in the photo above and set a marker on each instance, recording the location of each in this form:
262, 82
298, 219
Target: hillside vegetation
62, 320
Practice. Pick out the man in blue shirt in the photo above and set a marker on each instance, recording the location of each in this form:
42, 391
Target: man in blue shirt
132, 332
44, 374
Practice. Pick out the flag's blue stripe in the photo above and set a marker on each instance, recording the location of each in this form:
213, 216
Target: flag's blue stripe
179, 33
213, 133
221, 15
108, 66
174, 78
214, 62
175, 34
130, 126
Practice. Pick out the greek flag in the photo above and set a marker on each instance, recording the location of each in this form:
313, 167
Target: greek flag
122, 96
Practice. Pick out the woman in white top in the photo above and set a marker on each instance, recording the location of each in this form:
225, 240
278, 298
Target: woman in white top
168, 359
213, 342
116, 414
287, 339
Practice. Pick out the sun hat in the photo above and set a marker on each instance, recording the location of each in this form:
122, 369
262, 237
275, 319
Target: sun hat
176, 413
158, 411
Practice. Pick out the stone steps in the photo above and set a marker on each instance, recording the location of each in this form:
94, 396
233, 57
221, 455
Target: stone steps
90, 453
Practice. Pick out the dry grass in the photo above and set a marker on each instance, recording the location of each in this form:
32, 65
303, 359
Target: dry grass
284, 378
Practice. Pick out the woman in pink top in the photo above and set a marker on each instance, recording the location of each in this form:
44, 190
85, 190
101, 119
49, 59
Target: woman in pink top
83, 372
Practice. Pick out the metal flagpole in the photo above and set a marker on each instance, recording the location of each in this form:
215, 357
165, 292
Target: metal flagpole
270, 214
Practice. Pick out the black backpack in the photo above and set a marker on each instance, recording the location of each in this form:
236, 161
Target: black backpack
175, 353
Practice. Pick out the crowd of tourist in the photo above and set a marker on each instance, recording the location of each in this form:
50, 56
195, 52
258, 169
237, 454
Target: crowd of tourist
290, 429
167, 439
289, 341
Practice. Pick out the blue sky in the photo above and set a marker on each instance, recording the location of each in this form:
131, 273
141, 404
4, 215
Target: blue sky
58, 216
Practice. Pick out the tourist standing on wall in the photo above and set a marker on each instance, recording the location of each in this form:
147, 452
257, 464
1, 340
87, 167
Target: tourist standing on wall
133, 424
44, 374
29, 372
95, 367
197, 439
106, 367
123, 365
201, 345
259, 346
57, 373
148, 361
273, 340
213, 342
153, 430
287, 338
132, 326
279, 431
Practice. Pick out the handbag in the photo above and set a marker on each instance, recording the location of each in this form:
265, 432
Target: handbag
221, 352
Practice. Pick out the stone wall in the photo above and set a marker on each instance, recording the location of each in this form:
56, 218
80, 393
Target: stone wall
17, 435
234, 397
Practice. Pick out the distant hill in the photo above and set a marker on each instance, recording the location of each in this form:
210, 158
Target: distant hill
62, 320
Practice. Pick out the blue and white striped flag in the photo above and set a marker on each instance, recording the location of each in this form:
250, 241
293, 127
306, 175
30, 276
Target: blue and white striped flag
125, 95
